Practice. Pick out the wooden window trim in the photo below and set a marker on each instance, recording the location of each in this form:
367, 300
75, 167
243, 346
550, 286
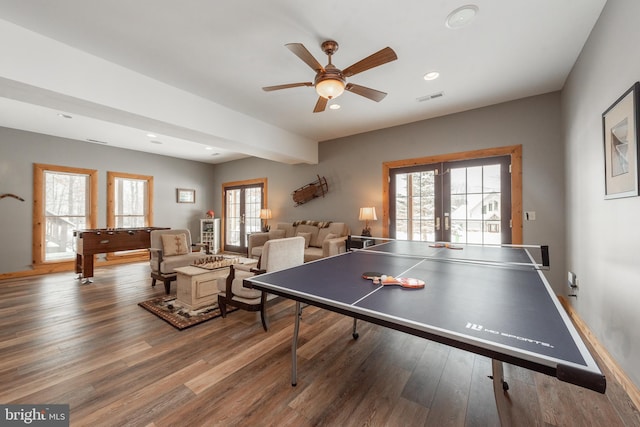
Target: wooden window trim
515, 151
37, 249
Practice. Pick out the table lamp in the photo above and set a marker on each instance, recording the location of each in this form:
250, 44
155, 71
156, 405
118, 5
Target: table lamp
265, 214
367, 214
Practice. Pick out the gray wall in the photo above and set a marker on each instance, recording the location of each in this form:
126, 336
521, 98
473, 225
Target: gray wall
353, 168
20, 150
603, 237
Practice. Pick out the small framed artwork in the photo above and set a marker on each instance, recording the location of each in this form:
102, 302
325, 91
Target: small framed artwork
620, 134
185, 195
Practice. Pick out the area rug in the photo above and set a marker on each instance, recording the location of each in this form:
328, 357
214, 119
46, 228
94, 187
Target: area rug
173, 312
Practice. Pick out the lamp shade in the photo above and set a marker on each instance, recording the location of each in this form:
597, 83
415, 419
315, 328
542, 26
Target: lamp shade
368, 214
265, 213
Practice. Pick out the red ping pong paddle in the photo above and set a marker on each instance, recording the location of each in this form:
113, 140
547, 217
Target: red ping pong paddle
445, 245
385, 280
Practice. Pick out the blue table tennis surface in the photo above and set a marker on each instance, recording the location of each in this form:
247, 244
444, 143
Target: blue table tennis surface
495, 307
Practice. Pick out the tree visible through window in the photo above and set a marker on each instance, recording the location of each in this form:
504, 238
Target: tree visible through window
129, 200
63, 202
462, 197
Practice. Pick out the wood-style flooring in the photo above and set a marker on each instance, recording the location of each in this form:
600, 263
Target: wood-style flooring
115, 364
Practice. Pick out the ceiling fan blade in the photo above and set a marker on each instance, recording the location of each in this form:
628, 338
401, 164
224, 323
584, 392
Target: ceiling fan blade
380, 57
320, 105
374, 95
286, 86
301, 52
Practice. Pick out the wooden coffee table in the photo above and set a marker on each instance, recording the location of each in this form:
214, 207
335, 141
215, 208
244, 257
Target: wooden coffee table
198, 287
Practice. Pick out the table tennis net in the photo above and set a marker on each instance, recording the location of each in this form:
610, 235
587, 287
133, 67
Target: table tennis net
506, 255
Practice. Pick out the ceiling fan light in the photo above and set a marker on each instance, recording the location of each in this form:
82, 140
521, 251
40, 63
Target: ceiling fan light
330, 88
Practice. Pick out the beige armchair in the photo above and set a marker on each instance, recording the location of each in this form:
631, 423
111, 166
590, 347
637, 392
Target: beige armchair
170, 249
277, 254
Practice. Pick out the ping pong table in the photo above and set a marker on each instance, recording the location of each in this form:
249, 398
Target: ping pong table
489, 300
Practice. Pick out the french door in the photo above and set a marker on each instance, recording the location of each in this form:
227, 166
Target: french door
242, 204
464, 201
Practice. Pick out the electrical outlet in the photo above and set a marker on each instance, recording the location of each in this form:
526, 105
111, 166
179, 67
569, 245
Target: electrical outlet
530, 215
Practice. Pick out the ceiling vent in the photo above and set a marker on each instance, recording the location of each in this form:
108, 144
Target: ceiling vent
96, 141
430, 97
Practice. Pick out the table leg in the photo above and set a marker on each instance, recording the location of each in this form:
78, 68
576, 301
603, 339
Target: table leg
500, 387
294, 345
355, 334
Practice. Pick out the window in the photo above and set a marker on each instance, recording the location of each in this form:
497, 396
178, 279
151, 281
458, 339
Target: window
129, 200
472, 197
65, 200
415, 208
477, 197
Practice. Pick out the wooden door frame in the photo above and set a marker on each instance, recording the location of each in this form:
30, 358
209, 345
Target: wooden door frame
514, 151
225, 185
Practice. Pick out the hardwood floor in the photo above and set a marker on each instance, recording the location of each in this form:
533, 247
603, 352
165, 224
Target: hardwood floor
116, 364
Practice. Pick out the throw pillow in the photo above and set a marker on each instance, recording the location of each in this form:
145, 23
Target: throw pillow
174, 244
307, 238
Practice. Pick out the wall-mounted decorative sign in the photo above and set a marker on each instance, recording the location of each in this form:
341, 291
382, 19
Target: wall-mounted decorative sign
185, 195
620, 133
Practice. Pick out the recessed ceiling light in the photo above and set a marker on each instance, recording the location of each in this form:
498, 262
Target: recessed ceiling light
150, 135
462, 16
208, 148
431, 75
334, 106
65, 116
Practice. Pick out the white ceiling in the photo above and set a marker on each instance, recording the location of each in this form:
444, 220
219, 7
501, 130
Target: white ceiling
191, 71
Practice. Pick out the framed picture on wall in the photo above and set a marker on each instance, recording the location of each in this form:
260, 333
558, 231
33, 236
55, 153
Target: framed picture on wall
620, 134
185, 195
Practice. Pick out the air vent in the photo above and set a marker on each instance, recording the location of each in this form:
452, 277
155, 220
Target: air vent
96, 141
430, 97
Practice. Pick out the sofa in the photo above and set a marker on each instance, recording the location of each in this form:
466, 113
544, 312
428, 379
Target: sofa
322, 238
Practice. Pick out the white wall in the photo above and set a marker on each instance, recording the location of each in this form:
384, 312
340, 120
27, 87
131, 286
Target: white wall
603, 236
20, 150
353, 168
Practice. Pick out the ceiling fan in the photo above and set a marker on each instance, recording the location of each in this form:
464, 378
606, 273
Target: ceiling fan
330, 81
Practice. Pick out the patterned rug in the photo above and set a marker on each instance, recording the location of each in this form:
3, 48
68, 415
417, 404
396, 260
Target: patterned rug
172, 311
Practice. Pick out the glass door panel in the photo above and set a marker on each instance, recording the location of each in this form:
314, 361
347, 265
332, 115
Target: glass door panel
242, 215
477, 196
414, 204
233, 218
469, 203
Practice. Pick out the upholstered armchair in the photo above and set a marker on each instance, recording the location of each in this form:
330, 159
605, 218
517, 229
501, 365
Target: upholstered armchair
277, 254
170, 249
